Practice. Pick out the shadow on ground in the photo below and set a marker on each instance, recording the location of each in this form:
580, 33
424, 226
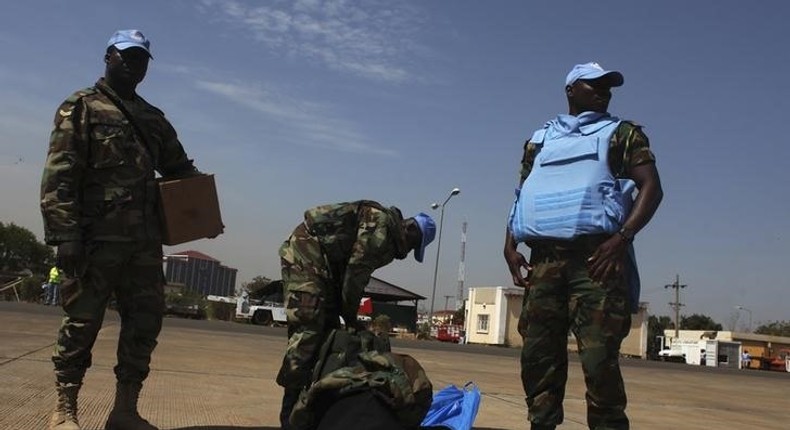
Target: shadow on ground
278, 428
226, 428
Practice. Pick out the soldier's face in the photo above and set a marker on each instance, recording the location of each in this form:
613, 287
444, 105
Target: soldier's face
590, 95
128, 66
413, 234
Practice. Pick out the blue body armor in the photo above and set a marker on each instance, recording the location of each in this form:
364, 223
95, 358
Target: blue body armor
571, 192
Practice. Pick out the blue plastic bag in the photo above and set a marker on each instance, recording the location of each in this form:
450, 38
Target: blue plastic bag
454, 408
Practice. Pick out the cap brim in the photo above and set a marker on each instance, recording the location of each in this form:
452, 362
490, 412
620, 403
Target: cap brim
122, 46
615, 79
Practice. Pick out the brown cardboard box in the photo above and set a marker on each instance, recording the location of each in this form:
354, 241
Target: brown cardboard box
189, 209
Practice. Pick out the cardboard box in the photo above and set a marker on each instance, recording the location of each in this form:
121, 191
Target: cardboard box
189, 209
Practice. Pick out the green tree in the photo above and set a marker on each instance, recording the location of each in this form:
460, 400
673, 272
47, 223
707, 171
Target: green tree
698, 322
776, 328
460, 315
257, 283
20, 250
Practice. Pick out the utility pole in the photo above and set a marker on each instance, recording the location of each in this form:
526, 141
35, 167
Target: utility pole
676, 304
459, 296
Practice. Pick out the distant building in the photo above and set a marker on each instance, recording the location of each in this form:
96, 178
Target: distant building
399, 304
761, 348
492, 318
200, 273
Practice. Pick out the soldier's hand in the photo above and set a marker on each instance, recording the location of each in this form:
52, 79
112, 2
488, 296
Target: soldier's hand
608, 259
516, 263
71, 258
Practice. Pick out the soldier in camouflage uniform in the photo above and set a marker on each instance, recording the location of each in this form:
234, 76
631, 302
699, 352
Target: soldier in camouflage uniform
583, 284
99, 203
326, 264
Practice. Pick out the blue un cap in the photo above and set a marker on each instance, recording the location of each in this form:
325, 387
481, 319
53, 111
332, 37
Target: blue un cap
125, 39
428, 229
593, 71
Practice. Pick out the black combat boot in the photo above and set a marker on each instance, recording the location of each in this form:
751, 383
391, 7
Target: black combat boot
124, 415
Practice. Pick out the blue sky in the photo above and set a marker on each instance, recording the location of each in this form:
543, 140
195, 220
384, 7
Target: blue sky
294, 104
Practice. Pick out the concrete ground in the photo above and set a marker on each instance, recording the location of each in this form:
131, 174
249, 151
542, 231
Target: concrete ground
220, 376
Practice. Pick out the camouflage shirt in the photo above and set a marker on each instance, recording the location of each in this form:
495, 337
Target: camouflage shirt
357, 238
99, 176
628, 148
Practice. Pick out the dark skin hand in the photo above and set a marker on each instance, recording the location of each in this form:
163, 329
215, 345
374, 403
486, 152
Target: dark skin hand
516, 262
609, 258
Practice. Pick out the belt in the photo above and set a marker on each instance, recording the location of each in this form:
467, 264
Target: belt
586, 244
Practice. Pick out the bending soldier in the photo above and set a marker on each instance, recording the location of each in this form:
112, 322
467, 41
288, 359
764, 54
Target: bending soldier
326, 264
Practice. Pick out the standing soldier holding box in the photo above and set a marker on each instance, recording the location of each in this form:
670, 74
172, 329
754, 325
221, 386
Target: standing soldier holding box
99, 203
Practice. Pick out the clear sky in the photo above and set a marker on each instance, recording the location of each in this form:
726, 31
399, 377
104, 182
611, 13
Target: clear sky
297, 103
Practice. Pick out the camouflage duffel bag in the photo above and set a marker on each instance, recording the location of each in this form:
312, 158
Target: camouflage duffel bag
350, 364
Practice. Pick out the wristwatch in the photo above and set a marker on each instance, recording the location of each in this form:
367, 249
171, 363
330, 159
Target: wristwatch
626, 234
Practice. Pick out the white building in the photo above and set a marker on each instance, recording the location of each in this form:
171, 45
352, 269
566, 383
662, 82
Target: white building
726, 348
492, 318
492, 315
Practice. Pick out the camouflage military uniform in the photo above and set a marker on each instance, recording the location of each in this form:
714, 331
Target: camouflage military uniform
326, 264
563, 298
98, 188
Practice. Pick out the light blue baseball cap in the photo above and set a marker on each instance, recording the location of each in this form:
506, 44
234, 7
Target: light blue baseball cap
593, 71
125, 39
428, 229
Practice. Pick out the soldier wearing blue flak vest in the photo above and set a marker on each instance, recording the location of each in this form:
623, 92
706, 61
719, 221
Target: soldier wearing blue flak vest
575, 209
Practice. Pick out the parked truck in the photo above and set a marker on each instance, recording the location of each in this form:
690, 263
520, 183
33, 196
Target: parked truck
261, 313
266, 312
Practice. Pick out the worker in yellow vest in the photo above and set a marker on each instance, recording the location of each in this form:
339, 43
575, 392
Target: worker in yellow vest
53, 284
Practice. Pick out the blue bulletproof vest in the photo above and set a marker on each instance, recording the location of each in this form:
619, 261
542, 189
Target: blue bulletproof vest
570, 190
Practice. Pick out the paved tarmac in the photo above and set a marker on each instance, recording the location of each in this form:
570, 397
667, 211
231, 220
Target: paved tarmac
220, 376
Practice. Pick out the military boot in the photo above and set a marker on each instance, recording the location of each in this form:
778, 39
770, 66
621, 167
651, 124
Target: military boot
64, 417
124, 414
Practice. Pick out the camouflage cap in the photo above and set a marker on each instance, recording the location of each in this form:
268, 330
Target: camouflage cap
125, 39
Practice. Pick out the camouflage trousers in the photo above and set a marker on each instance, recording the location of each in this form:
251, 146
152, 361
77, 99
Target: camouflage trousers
561, 299
312, 306
131, 272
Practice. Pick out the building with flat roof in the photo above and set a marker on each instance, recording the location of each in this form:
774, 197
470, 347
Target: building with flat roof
200, 273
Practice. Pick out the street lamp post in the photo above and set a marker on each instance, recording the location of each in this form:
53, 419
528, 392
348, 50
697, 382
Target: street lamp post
741, 308
434, 206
